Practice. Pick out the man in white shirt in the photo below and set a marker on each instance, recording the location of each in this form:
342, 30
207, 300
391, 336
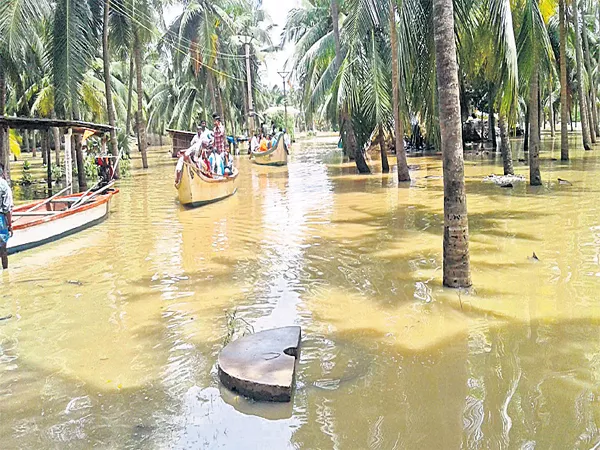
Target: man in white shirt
254, 143
6, 206
203, 134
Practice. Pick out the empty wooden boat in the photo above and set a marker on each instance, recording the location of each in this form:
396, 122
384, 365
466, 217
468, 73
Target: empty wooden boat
46, 221
197, 189
277, 156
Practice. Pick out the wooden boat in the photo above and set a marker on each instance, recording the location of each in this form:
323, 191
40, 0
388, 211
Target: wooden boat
46, 221
196, 189
277, 156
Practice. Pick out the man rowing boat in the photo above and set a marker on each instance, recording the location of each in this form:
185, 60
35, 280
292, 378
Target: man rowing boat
6, 206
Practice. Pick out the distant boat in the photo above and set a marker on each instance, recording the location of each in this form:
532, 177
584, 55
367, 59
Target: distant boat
46, 221
196, 189
277, 156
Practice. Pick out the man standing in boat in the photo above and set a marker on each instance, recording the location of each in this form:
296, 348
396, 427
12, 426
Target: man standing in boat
6, 206
203, 134
219, 135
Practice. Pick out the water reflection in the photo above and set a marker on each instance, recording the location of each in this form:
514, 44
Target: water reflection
115, 331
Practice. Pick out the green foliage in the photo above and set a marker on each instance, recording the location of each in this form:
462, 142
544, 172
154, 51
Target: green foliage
26, 177
91, 169
236, 327
57, 172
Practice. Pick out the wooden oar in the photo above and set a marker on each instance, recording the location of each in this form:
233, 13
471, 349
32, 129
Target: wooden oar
84, 199
45, 202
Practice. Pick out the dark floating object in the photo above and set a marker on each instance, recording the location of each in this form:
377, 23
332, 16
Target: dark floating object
6, 317
75, 282
507, 185
565, 182
534, 257
262, 366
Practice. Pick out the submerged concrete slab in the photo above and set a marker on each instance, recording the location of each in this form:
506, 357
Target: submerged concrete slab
262, 365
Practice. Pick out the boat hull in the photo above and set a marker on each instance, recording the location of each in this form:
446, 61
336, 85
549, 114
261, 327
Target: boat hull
274, 157
63, 224
197, 190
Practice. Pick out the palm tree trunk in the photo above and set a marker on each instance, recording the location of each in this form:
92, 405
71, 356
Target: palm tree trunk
535, 178
110, 107
385, 165
129, 97
33, 144
505, 146
592, 91
403, 173
56, 136
346, 127
4, 149
579, 58
25, 137
457, 272
551, 107
141, 126
527, 129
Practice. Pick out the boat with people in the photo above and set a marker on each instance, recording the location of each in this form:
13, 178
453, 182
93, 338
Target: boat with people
195, 188
277, 155
45, 221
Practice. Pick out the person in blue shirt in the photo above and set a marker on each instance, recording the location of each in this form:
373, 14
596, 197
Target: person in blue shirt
6, 207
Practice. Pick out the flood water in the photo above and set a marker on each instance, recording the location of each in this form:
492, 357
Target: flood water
116, 330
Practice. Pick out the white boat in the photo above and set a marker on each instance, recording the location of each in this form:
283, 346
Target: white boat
46, 221
277, 156
196, 189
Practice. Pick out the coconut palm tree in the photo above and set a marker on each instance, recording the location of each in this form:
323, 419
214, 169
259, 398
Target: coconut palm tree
564, 103
457, 272
585, 124
110, 107
403, 173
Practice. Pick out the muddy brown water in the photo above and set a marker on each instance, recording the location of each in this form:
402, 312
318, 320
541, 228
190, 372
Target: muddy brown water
115, 331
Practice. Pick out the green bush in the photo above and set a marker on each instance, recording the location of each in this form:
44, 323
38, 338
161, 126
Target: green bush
26, 178
57, 173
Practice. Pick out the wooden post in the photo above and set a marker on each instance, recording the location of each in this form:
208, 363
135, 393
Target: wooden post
68, 161
49, 161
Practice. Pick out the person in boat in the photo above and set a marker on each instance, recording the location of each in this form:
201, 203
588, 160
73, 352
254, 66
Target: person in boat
216, 162
286, 140
254, 143
219, 134
6, 207
264, 145
202, 134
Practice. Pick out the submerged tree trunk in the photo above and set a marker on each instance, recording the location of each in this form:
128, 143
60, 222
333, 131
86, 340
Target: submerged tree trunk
551, 107
505, 146
535, 178
582, 97
141, 126
457, 272
110, 107
403, 173
492, 126
527, 128
592, 91
385, 165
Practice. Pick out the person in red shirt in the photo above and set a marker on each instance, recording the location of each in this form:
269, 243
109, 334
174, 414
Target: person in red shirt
218, 134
